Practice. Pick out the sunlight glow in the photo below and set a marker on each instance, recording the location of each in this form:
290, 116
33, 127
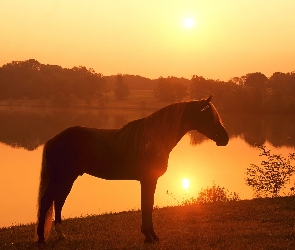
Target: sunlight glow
188, 22
186, 183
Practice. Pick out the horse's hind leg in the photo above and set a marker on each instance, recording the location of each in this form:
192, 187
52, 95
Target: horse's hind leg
45, 204
64, 190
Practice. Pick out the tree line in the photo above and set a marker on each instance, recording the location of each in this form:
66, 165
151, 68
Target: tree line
252, 93
32, 79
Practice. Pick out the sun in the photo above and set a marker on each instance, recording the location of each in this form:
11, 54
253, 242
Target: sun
185, 183
188, 22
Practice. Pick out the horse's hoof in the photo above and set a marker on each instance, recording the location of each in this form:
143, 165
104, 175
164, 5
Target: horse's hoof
150, 235
151, 239
148, 241
155, 237
62, 237
58, 229
41, 243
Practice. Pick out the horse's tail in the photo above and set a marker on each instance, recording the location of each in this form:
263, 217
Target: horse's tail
44, 182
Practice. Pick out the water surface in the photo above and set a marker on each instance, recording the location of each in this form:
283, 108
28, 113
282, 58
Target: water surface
23, 133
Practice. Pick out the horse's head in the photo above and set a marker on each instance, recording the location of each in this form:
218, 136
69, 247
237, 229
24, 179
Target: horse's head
208, 122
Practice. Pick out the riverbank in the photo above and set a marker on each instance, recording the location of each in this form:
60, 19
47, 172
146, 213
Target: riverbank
247, 224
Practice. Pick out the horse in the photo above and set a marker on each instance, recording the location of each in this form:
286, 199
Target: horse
137, 151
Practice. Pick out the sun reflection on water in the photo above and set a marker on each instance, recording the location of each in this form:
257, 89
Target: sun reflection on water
185, 183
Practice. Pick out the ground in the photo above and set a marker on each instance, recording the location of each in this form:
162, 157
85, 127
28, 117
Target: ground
248, 224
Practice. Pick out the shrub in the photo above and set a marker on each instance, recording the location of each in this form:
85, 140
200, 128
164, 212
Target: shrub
209, 195
268, 179
215, 194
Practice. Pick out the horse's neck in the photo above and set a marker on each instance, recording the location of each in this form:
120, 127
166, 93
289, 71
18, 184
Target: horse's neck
170, 135
189, 118
159, 132
184, 128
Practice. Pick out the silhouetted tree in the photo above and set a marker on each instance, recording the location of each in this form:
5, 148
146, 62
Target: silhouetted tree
255, 80
237, 80
35, 80
170, 89
280, 94
199, 87
162, 91
121, 90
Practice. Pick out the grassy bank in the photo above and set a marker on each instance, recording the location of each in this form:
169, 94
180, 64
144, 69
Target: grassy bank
249, 224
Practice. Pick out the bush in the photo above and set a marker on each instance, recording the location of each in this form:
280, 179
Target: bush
215, 194
268, 179
209, 195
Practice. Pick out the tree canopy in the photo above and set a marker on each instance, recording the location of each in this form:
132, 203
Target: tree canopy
121, 90
32, 79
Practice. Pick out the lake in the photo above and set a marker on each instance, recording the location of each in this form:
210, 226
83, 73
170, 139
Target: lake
23, 133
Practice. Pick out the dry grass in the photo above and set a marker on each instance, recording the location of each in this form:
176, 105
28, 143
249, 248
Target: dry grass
253, 224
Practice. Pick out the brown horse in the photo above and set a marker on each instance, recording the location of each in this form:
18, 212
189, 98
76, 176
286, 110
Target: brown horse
138, 151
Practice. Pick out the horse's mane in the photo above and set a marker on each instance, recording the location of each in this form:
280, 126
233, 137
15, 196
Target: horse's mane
215, 114
156, 132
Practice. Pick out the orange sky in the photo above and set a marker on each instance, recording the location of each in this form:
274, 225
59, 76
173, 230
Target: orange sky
229, 38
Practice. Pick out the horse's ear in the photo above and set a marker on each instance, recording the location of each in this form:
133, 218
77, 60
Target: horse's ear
206, 103
209, 99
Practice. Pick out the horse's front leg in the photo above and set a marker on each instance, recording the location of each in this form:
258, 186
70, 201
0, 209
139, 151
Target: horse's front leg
148, 188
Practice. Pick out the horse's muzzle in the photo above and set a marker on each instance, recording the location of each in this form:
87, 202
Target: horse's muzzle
222, 140
224, 143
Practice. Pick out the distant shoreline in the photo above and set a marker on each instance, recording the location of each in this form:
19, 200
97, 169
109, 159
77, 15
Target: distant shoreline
138, 100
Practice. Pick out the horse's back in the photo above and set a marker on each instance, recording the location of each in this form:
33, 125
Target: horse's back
80, 149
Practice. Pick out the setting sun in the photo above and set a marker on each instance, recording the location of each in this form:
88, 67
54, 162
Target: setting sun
185, 183
188, 22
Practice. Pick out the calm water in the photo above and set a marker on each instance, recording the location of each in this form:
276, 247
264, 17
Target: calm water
23, 133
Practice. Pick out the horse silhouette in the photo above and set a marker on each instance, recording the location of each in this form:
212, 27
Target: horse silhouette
138, 151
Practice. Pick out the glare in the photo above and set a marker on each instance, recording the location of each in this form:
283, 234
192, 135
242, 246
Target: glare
185, 183
188, 22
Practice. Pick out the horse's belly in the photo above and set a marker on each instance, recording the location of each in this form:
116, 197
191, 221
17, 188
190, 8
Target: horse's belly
111, 168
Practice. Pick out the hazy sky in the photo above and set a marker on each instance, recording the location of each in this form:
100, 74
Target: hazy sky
227, 38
